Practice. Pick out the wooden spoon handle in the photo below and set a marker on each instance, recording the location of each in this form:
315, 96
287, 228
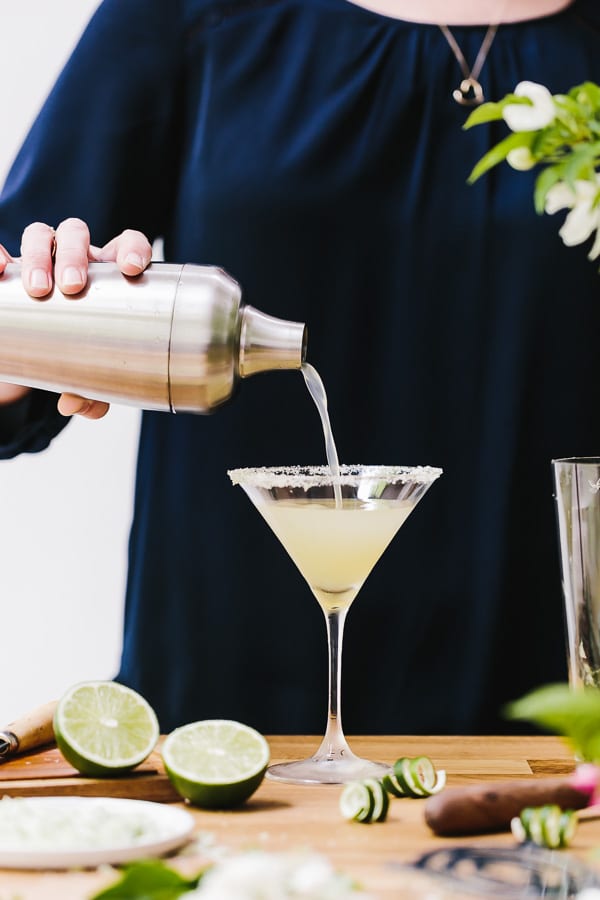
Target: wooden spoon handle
33, 729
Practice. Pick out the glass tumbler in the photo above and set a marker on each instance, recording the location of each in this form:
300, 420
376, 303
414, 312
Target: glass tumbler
577, 495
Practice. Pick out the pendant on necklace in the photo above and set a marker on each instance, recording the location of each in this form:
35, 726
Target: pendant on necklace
470, 92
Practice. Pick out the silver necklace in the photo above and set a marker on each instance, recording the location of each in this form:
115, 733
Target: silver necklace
470, 92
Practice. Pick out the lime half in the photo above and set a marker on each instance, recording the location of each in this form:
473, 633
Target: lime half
103, 728
216, 763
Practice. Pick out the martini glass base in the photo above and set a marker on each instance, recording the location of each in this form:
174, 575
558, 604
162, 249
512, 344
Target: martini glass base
320, 770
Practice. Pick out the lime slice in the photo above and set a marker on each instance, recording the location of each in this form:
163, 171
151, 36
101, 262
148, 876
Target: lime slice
357, 802
518, 831
103, 728
415, 777
381, 800
216, 763
390, 783
547, 826
533, 825
425, 775
568, 827
406, 779
550, 825
364, 801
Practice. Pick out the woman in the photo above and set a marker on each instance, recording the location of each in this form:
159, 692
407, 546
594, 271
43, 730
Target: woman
313, 149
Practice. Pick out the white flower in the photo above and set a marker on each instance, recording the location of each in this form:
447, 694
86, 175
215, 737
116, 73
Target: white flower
522, 116
521, 158
314, 873
259, 875
584, 216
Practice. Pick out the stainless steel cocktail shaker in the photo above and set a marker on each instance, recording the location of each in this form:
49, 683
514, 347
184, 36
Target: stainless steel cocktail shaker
175, 338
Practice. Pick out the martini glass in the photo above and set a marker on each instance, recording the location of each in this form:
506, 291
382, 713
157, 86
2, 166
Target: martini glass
335, 528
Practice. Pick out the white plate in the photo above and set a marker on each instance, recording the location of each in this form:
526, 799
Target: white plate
66, 832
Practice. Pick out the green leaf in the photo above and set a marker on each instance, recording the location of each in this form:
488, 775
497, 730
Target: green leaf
568, 104
563, 710
148, 879
499, 152
487, 112
586, 95
492, 112
550, 143
580, 163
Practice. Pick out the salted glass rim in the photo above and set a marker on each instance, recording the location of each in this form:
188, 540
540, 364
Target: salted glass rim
315, 476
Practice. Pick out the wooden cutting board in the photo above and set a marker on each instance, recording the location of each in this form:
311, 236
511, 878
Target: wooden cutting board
45, 772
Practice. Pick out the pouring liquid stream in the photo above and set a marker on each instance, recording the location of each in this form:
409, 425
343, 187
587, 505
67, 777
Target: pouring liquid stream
317, 392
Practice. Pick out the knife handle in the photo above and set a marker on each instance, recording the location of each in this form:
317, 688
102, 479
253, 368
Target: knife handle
34, 728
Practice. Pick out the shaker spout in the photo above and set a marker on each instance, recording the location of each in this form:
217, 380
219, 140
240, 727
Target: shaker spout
268, 343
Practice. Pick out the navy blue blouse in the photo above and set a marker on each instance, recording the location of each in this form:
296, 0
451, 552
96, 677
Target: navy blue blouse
312, 149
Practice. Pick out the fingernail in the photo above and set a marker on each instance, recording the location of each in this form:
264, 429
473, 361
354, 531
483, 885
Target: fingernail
72, 277
134, 259
70, 405
39, 280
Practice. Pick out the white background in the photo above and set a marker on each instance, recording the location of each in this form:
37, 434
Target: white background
64, 513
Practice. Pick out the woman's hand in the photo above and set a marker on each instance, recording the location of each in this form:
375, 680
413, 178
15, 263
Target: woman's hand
62, 257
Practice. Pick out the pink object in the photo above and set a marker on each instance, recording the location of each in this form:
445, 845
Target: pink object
587, 780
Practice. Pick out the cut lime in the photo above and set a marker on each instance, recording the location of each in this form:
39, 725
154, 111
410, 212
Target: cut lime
103, 728
216, 763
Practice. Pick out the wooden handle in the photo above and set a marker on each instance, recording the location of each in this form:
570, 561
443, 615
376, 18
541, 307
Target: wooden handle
34, 729
481, 808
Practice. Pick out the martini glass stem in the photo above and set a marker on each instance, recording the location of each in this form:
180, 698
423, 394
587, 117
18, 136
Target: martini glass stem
334, 745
